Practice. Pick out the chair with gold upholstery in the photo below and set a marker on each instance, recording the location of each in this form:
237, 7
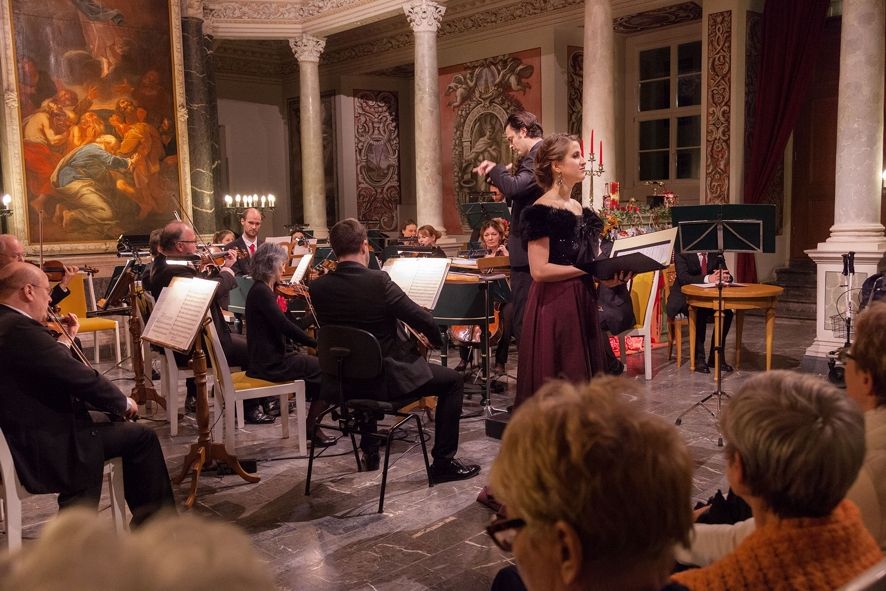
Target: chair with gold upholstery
76, 303
643, 290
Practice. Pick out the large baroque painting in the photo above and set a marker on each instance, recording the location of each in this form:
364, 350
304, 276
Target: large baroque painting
95, 85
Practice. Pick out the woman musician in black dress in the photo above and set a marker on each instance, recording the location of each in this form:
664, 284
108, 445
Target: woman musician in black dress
561, 331
267, 328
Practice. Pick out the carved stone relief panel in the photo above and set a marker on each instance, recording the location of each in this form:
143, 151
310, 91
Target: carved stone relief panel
377, 153
719, 73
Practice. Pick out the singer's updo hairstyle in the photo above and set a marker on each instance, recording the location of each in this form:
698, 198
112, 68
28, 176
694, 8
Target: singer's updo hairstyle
553, 148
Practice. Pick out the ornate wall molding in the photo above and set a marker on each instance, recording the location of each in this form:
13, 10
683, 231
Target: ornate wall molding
574, 81
377, 154
289, 11
307, 48
719, 107
424, 15
657, 18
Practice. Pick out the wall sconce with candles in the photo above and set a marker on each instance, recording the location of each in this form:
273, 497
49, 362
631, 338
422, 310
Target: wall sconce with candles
239, 203
5, 212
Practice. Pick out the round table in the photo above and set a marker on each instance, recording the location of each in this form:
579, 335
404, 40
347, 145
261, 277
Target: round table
746, 296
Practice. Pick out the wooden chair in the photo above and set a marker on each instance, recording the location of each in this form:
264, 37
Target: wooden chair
233, 388
12, 493
675, 325
76, 303
643, 290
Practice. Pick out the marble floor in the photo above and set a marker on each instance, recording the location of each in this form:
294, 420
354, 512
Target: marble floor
427, 538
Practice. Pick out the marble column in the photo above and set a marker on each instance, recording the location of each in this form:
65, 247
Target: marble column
202, 119
858, 196
424, 17
598, 96
307, 50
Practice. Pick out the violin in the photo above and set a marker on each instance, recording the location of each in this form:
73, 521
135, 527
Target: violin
292, 290
211, 262
55, 270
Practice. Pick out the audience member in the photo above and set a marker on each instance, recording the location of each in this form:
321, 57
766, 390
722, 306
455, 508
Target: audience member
794, 447
596, 490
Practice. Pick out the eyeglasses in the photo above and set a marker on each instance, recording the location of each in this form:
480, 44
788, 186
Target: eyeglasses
503, 532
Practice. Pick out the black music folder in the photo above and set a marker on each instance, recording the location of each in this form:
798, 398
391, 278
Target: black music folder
635, 262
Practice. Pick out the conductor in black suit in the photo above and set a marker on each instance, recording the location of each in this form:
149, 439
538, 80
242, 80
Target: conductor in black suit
56, 445
700, 268
248, 241
356, 296
524, 135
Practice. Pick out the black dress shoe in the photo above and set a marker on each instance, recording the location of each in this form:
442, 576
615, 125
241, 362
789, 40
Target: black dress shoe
256, 415
701, 366
272, 407
321, 439
371, 461
724, 367
448, 470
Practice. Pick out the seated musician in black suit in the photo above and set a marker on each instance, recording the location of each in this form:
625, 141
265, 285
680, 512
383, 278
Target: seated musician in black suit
268, 329
11, 251
699, 268
44, 409
356, 296
179, 239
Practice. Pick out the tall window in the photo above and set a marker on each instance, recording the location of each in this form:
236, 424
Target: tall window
669, 108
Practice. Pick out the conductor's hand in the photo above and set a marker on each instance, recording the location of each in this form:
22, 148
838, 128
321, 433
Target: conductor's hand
131, 408
230, 257
484, 167
618, 279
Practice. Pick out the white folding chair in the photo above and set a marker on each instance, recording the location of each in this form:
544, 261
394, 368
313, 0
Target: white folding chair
233, 388
12, 493
643, 290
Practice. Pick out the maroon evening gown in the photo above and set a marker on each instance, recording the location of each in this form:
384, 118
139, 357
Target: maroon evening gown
561, 335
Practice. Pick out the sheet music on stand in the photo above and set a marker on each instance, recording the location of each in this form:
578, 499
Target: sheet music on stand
179, 313
420, 278
301, 268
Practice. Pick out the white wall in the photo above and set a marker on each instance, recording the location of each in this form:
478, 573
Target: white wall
257, 154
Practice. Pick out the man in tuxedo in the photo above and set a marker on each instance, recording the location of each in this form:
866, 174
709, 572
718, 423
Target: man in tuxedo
179, 240
11, 251
248, 241
524, 135
57, 446
356, 296
700, 268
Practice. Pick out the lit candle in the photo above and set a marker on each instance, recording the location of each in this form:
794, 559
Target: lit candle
271, 199
601, 153
237, 199
592, 143
263, 200
228, 200
7, 199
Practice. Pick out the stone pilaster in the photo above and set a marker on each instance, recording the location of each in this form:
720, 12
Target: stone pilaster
598, 96
424, 17
203, 149
858, 196
307, 50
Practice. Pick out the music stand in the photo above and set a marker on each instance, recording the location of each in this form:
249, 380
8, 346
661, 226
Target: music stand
477, 213
722, 228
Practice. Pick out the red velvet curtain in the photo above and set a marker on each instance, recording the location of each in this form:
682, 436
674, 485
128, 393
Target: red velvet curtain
790, 33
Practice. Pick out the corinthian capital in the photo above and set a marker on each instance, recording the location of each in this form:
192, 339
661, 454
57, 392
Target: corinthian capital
424, 15
307, 48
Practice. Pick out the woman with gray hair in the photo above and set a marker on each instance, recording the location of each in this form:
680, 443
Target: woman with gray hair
794, 447
267, 329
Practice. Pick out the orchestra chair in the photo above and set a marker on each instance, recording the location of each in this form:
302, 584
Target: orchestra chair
170, 374
675, 324
643, 291
353, 356
232, 388
12, 493
76, 303
873, 579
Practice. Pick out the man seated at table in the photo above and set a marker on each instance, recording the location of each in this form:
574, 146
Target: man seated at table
356, 296
700, 268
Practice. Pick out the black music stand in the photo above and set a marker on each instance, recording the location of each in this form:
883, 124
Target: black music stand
722, 228
477, 213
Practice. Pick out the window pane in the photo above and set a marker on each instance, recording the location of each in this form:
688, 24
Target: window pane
655, 134
689, 90
655, 63
654, 165
655, 95
689, 58
688, 163
688, 131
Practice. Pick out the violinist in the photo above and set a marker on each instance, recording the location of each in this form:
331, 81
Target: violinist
251, 220
268, 330
57, 444
177, 239
11, 250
